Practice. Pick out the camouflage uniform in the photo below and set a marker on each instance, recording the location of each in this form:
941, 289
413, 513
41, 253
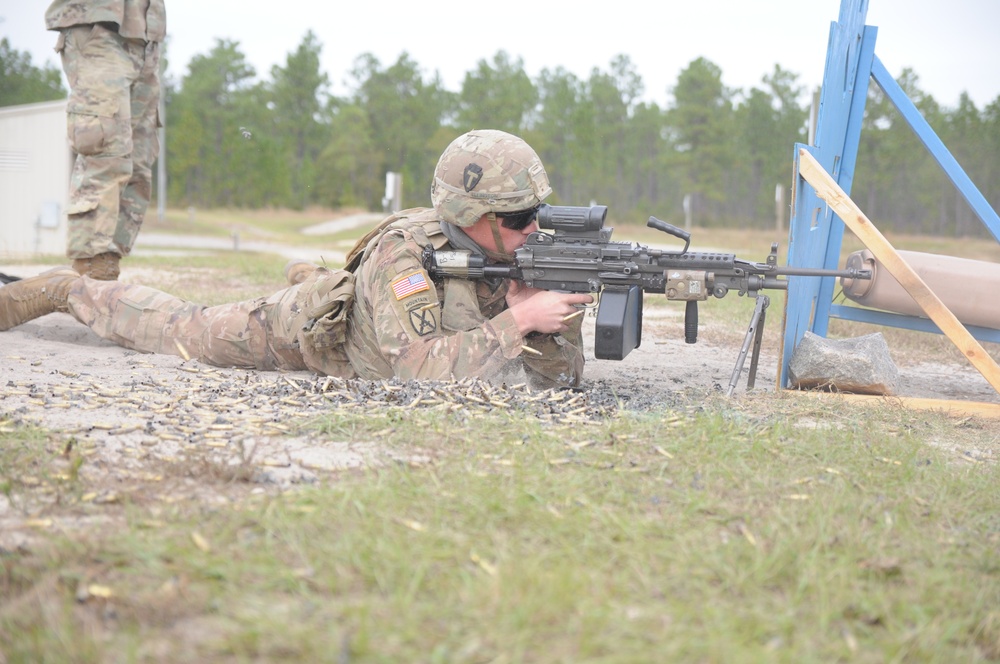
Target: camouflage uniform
111, 55
401, 322
404, 324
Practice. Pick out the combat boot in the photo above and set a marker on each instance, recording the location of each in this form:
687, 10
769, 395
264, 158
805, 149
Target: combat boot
103, 267
298, 271
29, 298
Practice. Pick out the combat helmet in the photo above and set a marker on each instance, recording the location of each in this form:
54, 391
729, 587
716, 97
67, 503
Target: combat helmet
485, 171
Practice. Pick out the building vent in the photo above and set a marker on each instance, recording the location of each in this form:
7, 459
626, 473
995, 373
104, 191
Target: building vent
13, 162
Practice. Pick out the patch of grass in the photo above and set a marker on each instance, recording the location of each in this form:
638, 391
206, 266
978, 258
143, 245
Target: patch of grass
278, 225
799, 534
26, 464
236, 264
212, 279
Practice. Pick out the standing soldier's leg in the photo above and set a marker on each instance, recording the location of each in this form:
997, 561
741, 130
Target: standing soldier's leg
100, 70
145, 148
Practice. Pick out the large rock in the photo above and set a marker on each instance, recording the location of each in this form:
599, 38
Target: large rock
861, 365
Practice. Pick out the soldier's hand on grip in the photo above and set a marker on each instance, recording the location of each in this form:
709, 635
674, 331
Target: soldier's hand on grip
537, 310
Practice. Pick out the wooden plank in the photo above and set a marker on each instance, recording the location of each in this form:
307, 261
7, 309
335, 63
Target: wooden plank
953, 408
828, 189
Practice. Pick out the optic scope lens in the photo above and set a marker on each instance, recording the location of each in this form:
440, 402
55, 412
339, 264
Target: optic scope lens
572, 218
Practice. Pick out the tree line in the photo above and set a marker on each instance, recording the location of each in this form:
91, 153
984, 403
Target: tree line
286, 141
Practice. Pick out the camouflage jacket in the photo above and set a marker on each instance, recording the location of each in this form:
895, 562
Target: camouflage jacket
136, 19
405, 324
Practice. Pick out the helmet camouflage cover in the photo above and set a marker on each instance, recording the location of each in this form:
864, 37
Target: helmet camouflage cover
487, 171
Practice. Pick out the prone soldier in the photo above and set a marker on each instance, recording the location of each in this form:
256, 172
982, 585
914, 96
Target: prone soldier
384, 315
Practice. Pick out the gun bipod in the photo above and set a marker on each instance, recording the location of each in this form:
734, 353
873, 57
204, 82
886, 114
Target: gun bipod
755, 332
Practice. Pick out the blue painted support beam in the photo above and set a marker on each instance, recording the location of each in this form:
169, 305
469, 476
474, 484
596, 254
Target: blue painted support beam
886, 319
843, 173
815, 232
936, 147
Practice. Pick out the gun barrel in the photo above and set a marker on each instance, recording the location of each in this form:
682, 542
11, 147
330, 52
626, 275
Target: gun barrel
849, 273
768, 279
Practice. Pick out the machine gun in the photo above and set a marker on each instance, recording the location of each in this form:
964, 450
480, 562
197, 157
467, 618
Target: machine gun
580, 257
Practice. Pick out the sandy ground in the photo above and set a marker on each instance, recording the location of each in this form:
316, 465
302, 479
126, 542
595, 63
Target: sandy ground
139, 427
43, 363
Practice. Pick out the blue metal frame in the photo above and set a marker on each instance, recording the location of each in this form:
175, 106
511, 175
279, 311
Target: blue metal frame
815, 232
945, 160
887, 319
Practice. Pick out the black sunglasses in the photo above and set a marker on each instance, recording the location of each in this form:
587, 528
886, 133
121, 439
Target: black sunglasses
518, 221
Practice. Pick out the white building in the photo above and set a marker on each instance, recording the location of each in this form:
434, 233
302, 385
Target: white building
35, 166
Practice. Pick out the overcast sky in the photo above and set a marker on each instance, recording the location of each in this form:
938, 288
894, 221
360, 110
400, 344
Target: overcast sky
952, 46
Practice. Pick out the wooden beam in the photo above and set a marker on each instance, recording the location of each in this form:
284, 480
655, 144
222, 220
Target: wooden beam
852, 216
948, 407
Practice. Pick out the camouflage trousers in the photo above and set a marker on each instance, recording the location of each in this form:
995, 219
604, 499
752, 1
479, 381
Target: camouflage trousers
294, 329
112, 117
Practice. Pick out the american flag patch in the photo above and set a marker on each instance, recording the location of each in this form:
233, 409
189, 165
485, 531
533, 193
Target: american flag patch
408, 285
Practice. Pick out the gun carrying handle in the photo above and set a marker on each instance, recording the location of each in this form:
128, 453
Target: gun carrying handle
691, 322
670, 229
